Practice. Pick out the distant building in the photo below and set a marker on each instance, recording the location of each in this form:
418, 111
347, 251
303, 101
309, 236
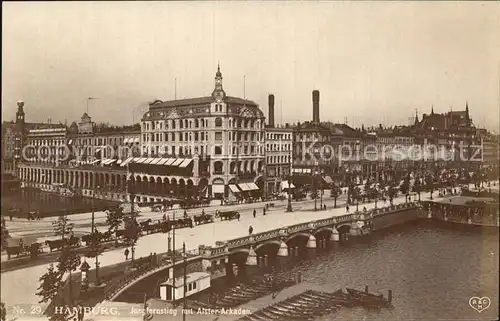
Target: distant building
279, 141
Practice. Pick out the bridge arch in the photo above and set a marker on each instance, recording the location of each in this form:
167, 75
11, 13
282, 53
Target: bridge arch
293, 236
271, 242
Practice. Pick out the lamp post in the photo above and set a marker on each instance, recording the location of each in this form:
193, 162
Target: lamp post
93, 234
289, 205
173, 258
184, 254
131, 191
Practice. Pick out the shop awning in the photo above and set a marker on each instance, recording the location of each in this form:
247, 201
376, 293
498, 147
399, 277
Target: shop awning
284, 185
141, 160
155, 161
149, 160
244, 187
126, 140
70, 142
170, 162
252, 186
177, 162
218, 189
136, 140
162, 161
185, 163
234, 189
95, 162
328, 179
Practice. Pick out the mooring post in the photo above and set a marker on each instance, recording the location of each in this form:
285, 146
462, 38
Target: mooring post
366, 288
389, 296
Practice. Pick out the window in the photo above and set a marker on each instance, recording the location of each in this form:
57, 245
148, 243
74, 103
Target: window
218, 150
218, 122
190, 286
194, 285
218, 135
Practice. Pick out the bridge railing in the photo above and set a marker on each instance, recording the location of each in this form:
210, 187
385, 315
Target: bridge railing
115, 287
222, 248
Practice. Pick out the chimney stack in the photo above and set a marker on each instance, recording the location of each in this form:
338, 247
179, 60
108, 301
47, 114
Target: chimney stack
315, 96
271, 111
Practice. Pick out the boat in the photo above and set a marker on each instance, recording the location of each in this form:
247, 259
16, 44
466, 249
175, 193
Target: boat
368, 298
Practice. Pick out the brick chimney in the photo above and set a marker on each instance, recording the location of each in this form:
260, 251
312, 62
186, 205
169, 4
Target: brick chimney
271, 111
315, 96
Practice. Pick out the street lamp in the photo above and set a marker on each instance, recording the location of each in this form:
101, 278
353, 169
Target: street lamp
289, 205
184, 254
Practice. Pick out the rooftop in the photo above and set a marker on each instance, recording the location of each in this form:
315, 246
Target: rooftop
198, 101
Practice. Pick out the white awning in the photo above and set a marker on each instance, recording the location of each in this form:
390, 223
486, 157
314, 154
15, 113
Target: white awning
156, 161
141, 160
95, 162
252, 186
111, 161
234, 189
149, 160
136, 140
162, 161
170, 161
105, 161
70, 142
119, 161
125, 162
186, 162
284, 185
177, 162
136, 159
218, 189
126, 140
244, 187
328, 179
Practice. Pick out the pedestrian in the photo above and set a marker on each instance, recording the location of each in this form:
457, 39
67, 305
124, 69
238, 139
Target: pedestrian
150, 258
203, 212
250, 230
185, 213
254, 212
364, 208
264, 211
324, 207
126, 254
155, 259
347, 208
164, 217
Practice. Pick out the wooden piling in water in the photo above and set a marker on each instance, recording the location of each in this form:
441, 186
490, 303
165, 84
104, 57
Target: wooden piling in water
389, 296
366, 288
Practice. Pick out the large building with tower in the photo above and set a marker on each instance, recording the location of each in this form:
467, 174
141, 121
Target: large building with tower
216, 142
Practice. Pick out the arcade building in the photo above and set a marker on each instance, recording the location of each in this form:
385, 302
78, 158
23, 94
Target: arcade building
212, 145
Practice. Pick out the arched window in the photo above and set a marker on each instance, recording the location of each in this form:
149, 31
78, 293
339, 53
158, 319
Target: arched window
218, 122
196, 123
218, 150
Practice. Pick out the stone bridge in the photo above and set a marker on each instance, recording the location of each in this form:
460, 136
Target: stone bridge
281, 246
275, 248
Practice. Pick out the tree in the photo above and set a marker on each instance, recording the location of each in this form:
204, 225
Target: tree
3, 311
356, 196
68, 262
335, 192
94, 250
405, 188
392, 193
114, 219
374, 194
50, 284
5, 236
131, 234
63, 226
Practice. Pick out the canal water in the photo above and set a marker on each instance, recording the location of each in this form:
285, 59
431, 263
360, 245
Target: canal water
48, 204
432, 270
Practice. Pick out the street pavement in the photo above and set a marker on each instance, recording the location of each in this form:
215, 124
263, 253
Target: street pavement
20, 286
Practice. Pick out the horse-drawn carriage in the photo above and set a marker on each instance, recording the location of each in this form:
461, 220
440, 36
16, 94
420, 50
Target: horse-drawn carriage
22, 246
57, 244
99, 237
229, 215
194, 202
203, 219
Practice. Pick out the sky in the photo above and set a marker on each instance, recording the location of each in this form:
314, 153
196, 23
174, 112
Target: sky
373, 62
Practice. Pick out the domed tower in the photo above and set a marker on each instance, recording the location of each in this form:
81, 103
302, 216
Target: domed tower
19, 134
218, 94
